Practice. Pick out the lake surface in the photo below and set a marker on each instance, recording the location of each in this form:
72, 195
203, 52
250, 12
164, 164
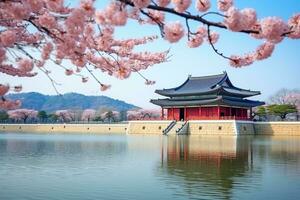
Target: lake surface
120, 167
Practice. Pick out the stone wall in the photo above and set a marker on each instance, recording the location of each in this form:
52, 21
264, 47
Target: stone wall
204, 127
245, 128
65, 128
147, 127
212, 127
277, 128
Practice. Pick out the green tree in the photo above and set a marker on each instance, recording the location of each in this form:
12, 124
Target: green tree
110, 116
281, 110
3, 116
53, 117
42, 115
261, 112
98, 119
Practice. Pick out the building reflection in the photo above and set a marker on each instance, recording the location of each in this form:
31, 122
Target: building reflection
205, 166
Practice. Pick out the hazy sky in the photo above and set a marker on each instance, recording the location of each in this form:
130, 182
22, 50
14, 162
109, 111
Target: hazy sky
282, 70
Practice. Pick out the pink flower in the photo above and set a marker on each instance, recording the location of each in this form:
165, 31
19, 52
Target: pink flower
239, 61
156, 17
3, 89
35, 5
141, 3
47, 20
104, 87
119, 18
25, 65
202, 5
202, 31
2, 55
181, 5
214, 37
224, 5
8, 38
55, 5
195, 41
272, 28
122, 73
87, 6
173, 31
163, 3
294, 24
69, 72
264, 51
6, 104
47, 49
240, 20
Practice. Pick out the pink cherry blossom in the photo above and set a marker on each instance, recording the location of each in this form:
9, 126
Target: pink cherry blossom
65, 115
47, 20
104, 87
264, 51
69, 72
22, 114
240, 20
195, 41
47, 49
6, 104
181, 5
163, 3
8, 38
156, 17
141, 3
224, 5
3, 89
273, 28
214, 37
202, 5
2, 55
173, 31
25, 65
294, 24
240, 61
88, 114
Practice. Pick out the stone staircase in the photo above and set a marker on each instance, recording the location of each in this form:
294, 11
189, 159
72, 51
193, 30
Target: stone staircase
175, 128
183, 130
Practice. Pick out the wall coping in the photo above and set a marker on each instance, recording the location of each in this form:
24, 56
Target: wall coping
298, 123
151, 121
125, 124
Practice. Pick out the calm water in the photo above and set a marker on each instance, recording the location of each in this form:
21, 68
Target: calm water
148, 167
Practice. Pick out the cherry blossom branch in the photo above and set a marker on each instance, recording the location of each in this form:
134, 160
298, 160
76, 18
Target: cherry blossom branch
188, 16
213, 46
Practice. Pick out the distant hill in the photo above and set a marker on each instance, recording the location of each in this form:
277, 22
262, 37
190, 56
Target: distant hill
50, 103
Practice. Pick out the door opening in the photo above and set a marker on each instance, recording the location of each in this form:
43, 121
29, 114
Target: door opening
181, 114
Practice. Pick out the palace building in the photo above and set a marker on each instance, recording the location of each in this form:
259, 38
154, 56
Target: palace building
207, 98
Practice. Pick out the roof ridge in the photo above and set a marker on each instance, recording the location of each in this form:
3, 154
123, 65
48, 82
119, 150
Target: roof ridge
208, 76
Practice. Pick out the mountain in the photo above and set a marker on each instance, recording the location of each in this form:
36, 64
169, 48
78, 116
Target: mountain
51, 103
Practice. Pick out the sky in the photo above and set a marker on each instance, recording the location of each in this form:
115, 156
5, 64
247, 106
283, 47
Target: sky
282, 70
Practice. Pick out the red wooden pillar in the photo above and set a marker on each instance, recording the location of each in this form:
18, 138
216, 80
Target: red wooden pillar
185, 114
173, 113
162, 113
218, 112
250, 117
199, 113
230, 113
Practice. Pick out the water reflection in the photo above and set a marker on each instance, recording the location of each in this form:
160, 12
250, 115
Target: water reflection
210, 167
